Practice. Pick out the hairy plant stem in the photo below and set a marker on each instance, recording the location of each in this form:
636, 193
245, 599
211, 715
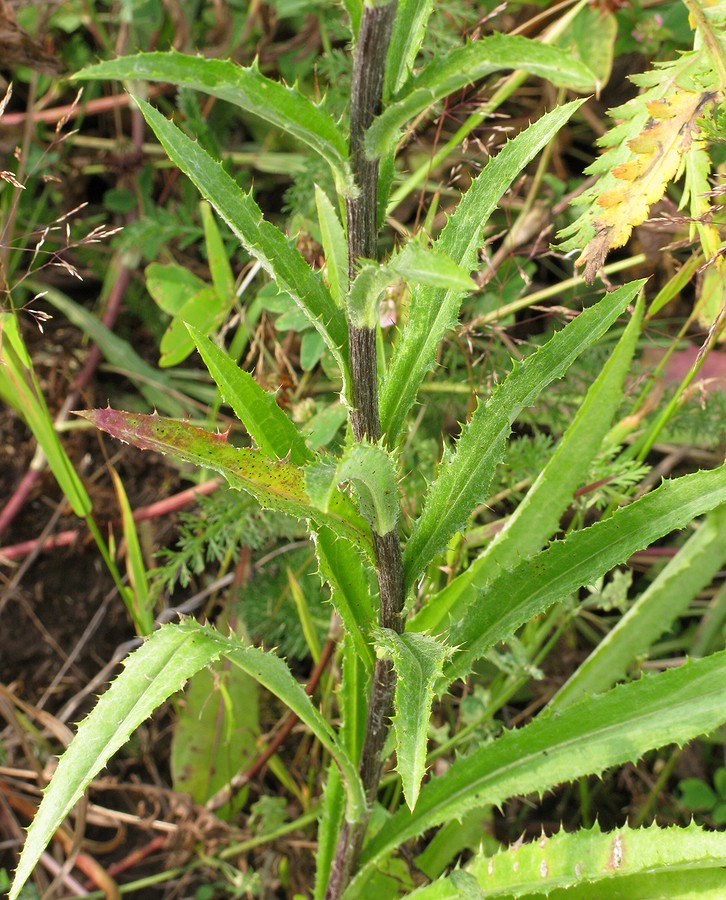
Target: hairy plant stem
368, 73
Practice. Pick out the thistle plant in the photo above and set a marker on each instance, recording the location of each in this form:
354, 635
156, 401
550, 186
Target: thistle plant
405, 640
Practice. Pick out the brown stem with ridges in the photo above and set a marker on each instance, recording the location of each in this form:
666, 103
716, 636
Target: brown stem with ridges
368, 75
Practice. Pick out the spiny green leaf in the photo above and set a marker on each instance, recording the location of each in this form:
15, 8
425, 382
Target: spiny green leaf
538, 516
418, 661
365, 294
154, 672
262, 239
463, 480
481, 619
371, 471
158, 669
274, 484
409, 29
652, 614
435, 310
258, 411
417, 265
432, 267
273, 101
614, 728
350, 585
465, 65
590, 860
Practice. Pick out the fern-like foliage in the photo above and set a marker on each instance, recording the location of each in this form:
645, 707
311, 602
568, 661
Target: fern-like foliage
222, 523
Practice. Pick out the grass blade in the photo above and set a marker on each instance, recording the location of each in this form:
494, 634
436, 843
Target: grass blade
19, 388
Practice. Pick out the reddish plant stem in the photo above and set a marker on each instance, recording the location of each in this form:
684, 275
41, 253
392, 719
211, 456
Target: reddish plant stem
152, 511
91, 108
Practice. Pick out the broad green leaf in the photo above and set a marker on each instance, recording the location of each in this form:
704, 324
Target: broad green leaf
589, 862
158, 669
246, 87
409, 28
464, 477
261, 239
19, 387
171, 286
325, 425
614, 728
350, 586
652, 614
274, 484
538, 516
482, 618
432, 267
590, 37
312, 348
204, 311
465, 65
435, 310
335, 246
257, 409
215, 733
418, 661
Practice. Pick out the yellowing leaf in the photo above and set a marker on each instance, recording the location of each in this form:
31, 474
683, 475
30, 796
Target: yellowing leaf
657, 154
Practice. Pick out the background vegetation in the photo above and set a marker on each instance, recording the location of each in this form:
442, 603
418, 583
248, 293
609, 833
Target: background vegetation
106, 250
